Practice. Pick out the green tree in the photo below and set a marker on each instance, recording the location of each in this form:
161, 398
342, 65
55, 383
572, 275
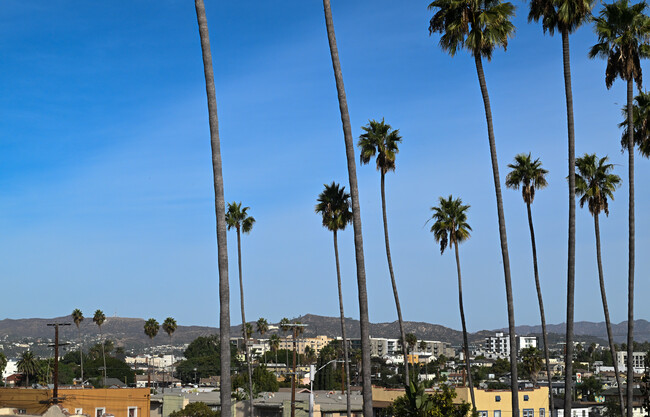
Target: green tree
623, 33
450, 228
27, 365
195, 409
530, 176
169, 326
99, 318
3, 363
364, 321
334, 208
481, 26
417, 403
262, 326
380, 141
565, 16
219, 205
590, 387
77, 318
238, 218
151, 328
532, 363
595, 185
641, 118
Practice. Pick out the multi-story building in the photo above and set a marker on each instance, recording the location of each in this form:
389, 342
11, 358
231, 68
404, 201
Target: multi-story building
638, 360
315, 343
524, 342
499, 344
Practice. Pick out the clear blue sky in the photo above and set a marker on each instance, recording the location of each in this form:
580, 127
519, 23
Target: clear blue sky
106, 194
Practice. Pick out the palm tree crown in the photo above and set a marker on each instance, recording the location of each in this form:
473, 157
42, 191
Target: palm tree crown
527, 174
594, 183
450, 222
169, 326
334, 206
237, 217
99, 318
622, 30
641, 118
77, 317
262, 326
478, 26
151, 328
561, 15
379, 140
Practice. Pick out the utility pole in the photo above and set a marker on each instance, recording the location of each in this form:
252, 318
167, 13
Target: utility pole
55, 394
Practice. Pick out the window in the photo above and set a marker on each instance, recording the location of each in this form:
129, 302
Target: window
584, 413
78, 410
497, 413
100, 411
132, 412
525, 397
529, 412
497, 398
542, 412
482, 414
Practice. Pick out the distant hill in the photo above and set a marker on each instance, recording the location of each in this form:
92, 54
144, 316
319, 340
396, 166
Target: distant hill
128, 332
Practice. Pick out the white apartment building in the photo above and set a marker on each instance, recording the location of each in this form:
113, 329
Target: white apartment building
524, 342
638, 360
498, 346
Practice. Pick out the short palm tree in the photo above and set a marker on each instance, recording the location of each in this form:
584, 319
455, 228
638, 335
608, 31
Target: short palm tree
334, 207
28, 365
238, 218
530, 176
284, 327
623, 31
566, 16
274, 345
641, 118
595, 185
219, 207
480, 27
381, 142
77, 318
99, 318
364, 320
450, 228
151, 328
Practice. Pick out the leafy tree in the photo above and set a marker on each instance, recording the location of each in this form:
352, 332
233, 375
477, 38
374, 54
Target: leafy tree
263, 381
450, 228
3, 363
595, 185
219, 205
623, 31
590, 387
204, 355
364, 321
99, 318
417, 403
238, 218
27, 365
530, 176
532, 363
77, 318
334, 207
196, 409
381, 141
480, 27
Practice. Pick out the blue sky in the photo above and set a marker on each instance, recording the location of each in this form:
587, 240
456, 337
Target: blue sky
106, 194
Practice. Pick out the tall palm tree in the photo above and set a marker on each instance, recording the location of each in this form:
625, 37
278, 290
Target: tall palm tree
530, 176
450, 228
284, 326
623, 31
262, 326
220, 209
274, 345
28, 365
238, 218
641, 118
99, 318
169, 326
77, 318
380, 141
596, 185
566, 16
151, 328
334, 207
364, 321
481, 26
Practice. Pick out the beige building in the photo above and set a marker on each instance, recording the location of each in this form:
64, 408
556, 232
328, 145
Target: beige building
316, 343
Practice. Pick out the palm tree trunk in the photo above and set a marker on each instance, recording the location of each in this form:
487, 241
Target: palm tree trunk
571, 258
630, 273
392, 281
610, 337
514, 383
345, 340
81, 357
243, 321
541, 310
220, 211
101, 336
462, 321
356, 213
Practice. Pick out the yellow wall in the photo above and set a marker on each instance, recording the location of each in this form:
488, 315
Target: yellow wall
116, 401
486, 400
